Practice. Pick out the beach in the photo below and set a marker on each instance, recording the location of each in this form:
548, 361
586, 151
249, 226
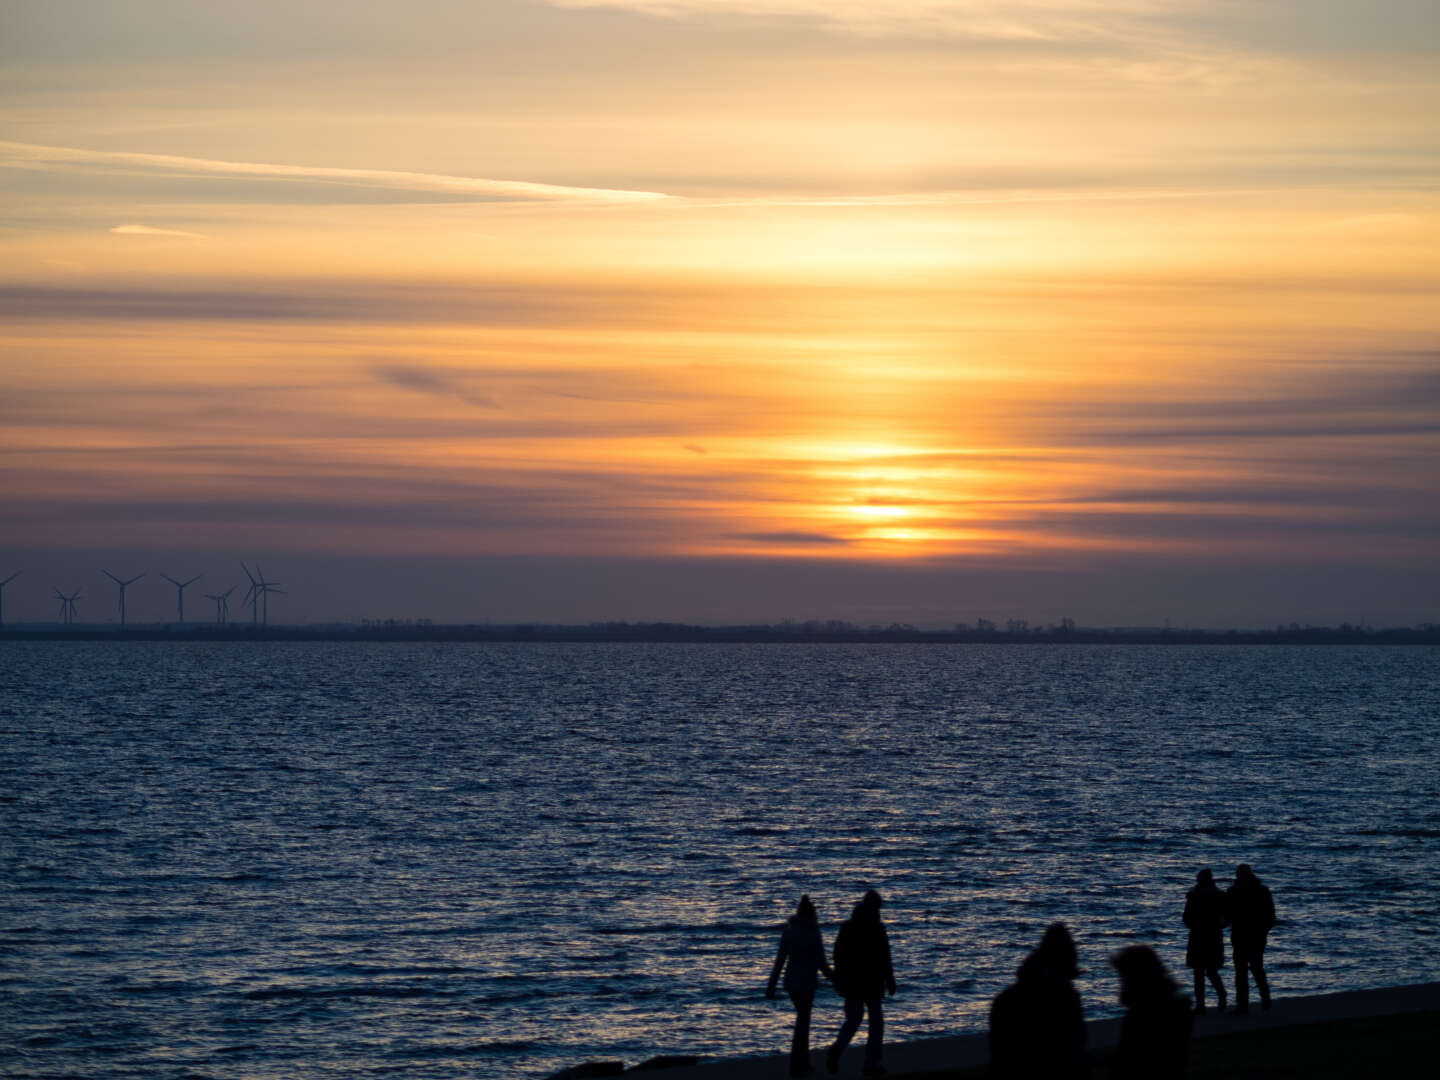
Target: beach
1335, 1017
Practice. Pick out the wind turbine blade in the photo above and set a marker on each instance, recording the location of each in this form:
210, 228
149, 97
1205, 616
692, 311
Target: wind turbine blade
112, 577
170, 579
134, 579
11, 578
248, 573
192, 581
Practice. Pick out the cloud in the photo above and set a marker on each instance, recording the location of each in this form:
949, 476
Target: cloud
791, 538
994, 20
32, 156
150, 230
430, 380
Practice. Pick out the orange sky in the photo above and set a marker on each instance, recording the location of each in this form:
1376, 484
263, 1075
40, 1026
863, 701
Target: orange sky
1066, 286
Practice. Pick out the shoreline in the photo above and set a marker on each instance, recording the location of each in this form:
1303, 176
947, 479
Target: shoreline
950, 1053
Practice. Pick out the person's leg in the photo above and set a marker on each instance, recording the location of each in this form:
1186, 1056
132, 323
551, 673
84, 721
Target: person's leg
1199, 989
854, 1011
1257, 965
875, 1033
1213, 974
1242, 976
800, 1042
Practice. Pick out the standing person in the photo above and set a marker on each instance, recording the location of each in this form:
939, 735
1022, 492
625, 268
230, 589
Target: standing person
1205, 951
863, 974
1037, 1025
1155, 1034
1252, 916
802, 958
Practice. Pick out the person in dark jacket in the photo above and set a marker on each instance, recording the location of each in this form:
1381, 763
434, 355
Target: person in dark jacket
1155, 1034
1037, 1025
1252, 916
863, 975
802, 958
1205, 951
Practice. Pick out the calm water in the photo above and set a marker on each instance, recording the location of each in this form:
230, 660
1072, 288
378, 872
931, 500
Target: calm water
303, 861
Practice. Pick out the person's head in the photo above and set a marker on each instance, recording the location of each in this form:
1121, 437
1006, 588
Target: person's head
805, 910
1057, 951
1142, 976
1245, 875
1205, 878
869, 906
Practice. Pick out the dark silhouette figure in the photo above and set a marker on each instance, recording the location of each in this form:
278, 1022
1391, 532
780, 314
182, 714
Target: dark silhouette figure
863, 974
1252, 915
1205, 951
1037, 1026
1155, 1034
802, 958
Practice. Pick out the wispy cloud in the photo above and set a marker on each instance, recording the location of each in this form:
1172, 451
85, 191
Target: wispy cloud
431, 380
150, 230
1002, 20
32, 156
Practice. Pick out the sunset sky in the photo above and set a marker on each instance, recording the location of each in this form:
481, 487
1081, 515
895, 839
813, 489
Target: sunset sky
724, 310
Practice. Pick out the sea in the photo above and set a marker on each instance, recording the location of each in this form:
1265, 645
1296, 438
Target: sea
335, 860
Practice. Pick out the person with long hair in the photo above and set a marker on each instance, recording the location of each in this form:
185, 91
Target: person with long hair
802, 959
1205, 949
1037, 1024
1155, 1034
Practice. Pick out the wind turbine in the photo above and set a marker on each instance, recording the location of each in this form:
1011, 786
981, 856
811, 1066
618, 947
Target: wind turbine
122, 585
67, 605
180, 591
7, 581
252, 596
222, 604
266, 588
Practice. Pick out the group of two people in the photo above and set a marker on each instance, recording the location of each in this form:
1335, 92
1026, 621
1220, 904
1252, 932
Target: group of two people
1248, 908
862, 974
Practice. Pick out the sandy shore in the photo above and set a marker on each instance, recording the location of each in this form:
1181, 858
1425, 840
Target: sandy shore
965, 1051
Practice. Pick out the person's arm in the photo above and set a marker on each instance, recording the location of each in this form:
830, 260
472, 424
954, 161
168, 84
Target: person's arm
889, 966
780, 955
1189, 914
825, 968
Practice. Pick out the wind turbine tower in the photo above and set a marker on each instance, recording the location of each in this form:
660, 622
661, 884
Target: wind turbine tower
122, 585
266, 588
180, 592
67, 605
7, 581
252, 596
222, 604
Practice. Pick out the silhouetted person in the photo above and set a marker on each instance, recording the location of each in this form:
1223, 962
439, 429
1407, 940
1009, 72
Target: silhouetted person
802, 958
1252, 915
1037, 1026
1205, 951
863, 974
1155, 1034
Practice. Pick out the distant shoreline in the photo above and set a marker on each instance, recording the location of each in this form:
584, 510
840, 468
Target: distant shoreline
655, 633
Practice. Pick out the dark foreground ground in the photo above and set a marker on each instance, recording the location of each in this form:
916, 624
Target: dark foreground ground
1400, 1047
1391, 1033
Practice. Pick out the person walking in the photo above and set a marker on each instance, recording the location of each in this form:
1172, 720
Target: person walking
1037, 1025
802, 958
1251, 907
864, 973
1205, 950
1154, 1039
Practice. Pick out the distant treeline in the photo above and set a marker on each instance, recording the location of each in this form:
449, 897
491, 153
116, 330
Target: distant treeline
817, 632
